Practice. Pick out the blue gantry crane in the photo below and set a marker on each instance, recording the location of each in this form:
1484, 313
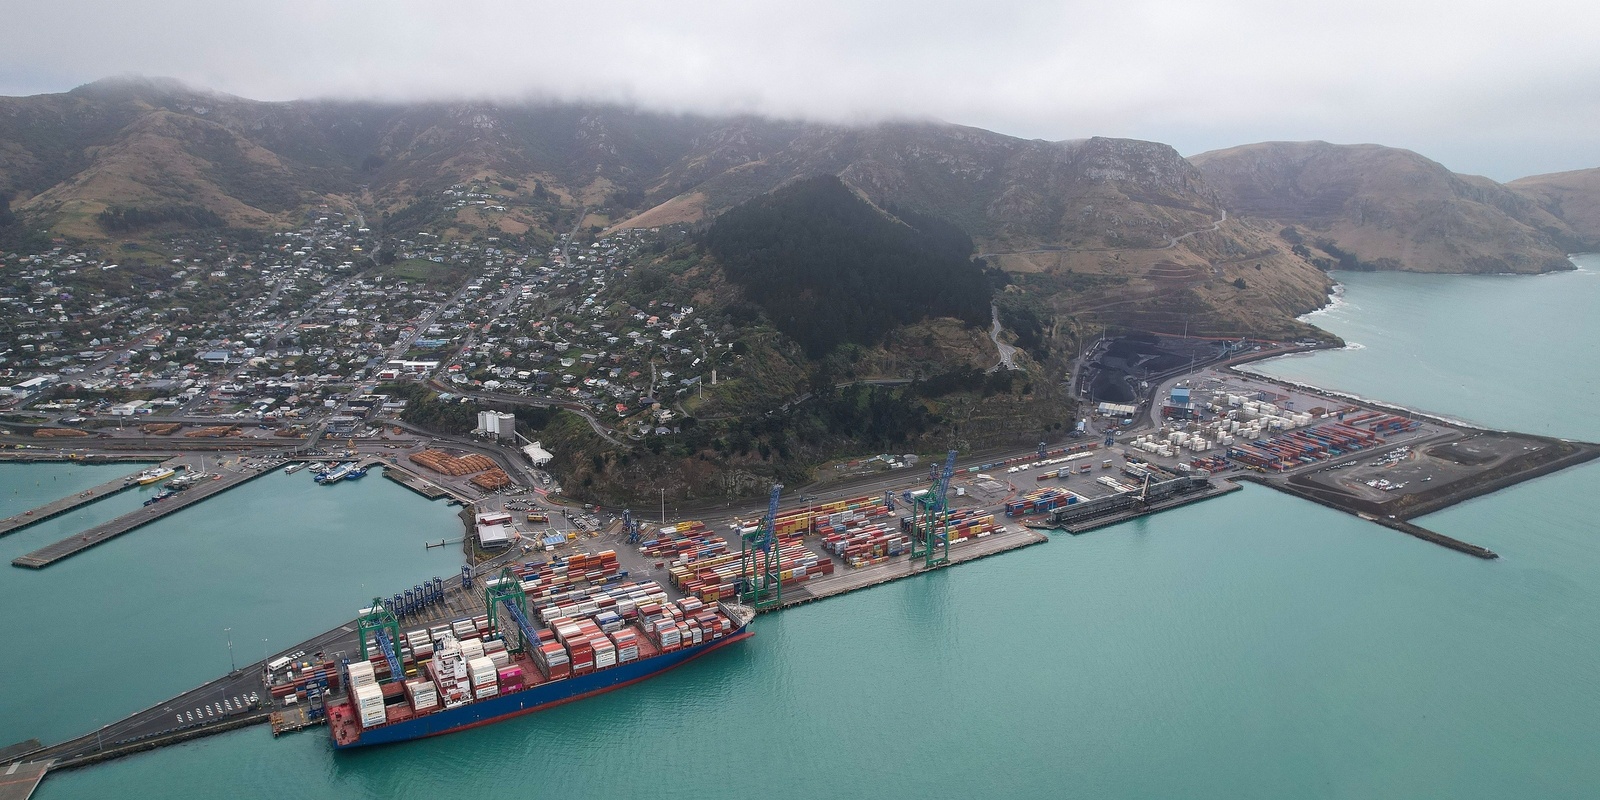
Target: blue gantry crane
630, 526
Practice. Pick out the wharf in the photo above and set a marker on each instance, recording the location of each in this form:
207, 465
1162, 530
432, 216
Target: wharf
1217, 489
414, 482
166, 723
291, 719
851, 580
73, 545
18, 781
56, 508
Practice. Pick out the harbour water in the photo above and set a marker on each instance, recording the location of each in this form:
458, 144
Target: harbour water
142, 618
1250, 646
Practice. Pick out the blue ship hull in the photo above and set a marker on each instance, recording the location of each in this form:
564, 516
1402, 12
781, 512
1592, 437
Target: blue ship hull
495, 709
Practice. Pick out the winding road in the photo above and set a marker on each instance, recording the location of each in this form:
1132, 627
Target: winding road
1008, 353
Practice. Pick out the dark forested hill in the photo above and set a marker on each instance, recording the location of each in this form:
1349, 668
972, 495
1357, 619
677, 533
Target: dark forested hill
830, 268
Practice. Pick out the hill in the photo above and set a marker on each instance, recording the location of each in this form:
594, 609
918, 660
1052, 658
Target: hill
1572, 196
1373, 207
829, 269
1111, 231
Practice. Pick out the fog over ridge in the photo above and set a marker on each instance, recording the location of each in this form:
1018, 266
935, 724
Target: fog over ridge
1489, 88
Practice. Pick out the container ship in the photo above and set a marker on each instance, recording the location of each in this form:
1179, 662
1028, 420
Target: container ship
482, 670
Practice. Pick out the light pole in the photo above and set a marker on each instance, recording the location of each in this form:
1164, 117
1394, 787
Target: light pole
231, 667
663, 506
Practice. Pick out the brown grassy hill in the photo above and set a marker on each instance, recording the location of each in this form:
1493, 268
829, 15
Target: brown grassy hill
1389, 208
1109, 208
1572, 196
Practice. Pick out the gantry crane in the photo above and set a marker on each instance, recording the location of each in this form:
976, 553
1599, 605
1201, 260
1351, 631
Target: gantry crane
630, 526
379, 621
759, 583
506, 591
930, 520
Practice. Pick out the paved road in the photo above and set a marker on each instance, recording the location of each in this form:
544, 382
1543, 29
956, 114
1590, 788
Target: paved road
1007, 352
541, 402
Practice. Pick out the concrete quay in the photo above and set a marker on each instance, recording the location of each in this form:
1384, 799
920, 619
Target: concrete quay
73, 545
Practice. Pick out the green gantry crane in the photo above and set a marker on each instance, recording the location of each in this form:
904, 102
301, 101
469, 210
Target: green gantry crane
930, 520
759, 584
380, 622
507, 590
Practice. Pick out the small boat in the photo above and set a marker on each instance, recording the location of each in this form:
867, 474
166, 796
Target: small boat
358, 472
161, 495
295, 467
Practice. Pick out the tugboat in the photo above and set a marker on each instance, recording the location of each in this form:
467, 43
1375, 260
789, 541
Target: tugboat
161, 495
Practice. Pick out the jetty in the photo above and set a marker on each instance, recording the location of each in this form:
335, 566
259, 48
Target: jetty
56, 508
144, 515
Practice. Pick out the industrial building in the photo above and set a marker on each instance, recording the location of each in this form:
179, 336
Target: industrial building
497, 424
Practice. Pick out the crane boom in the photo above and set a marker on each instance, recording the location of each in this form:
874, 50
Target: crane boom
760, 585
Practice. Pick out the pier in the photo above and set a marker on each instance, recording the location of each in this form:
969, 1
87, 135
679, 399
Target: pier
850, 580
139, 517
56, 508
18, 780
1134, 509
415, 482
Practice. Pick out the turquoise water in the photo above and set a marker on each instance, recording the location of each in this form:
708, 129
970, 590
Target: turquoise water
1250, 646
141, 618
1515, 352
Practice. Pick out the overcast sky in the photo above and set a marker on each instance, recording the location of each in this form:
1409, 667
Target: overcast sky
1504, 88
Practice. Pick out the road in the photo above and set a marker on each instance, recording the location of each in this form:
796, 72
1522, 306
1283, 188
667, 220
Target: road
541, 402
1007, 352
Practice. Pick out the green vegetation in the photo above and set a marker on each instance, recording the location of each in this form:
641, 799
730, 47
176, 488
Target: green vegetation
121, 219
15, 234
425, 409
1346, 260
422, 271
414, 217
830, 269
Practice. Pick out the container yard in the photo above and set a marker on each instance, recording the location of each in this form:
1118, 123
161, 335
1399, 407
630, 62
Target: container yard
1386, 464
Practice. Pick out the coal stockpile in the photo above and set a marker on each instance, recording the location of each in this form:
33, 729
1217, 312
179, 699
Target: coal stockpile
1121, 363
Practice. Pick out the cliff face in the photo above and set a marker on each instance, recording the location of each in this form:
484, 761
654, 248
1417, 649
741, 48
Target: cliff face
1574, 197
1387, 208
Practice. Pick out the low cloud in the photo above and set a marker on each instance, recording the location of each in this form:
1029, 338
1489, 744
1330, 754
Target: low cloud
1493, 88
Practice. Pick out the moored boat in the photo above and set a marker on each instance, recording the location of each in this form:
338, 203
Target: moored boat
154, 475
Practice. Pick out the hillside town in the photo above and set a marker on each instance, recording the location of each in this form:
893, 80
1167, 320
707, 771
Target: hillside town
295, 331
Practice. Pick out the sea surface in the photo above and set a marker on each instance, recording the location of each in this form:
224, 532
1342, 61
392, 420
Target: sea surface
1250, 646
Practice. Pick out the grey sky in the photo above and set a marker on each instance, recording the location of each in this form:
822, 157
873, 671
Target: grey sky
1497, 88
